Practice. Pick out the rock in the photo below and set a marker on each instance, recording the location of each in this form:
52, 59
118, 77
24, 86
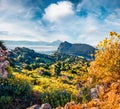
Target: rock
94, 93
3, 63
34, 107
100, 89
59, 108
45, 106
68, 105
84, 106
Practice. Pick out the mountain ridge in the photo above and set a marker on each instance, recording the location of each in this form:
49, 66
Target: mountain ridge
76, 49
32, 42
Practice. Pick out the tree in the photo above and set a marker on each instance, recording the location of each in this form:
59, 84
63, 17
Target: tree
57, 68
106, 66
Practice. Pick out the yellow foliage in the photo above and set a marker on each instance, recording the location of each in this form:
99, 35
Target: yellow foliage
106, 66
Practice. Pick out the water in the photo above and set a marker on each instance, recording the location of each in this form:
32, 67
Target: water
37, 48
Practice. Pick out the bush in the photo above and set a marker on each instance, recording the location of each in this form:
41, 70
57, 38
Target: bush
46, 73
106, 66
15, 86
56, 98
12, 88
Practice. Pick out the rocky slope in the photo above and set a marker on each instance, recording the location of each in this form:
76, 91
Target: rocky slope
76, 49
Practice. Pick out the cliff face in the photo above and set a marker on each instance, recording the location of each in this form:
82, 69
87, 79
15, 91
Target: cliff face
76, 49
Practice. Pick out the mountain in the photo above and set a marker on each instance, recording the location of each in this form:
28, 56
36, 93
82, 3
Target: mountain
22, 57
57, 42
76, 49
38, 46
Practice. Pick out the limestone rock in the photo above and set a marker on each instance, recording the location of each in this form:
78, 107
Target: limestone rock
45, 106
94, 93
3, 63
59, 108
100, 90
68, 105
34, 107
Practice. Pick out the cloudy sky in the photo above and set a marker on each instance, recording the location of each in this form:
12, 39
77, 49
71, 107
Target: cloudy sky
81, 21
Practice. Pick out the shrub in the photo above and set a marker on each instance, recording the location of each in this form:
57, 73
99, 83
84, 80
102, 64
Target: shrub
106, 66
15, 86
56, 97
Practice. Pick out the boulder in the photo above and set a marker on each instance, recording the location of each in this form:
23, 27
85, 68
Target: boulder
59, 108
94, 93
100, 89
45, 106
3, 63
34, 107
68, 105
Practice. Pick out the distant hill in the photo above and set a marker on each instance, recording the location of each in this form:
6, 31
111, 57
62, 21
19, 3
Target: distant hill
29, 59
57, 42
38, 46
76, 49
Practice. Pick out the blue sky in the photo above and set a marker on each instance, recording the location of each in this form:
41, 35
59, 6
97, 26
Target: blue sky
77, 21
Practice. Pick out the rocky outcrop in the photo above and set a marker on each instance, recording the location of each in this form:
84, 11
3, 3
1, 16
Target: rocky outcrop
94, 93
103, 96
43, 106
68, 105
76, 49
3, 62
34, 107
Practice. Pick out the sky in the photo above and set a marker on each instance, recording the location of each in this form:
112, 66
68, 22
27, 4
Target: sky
76, 21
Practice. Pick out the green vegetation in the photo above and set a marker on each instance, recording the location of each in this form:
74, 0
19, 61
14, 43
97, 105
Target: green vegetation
46, 78
58, 78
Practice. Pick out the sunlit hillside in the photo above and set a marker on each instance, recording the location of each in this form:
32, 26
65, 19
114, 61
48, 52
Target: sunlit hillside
62, 80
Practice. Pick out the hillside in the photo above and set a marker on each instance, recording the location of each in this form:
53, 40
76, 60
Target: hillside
40, 79
22, 57
76, 49
57, 79
25, 58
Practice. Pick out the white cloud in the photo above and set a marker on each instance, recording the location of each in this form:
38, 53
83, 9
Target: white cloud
56, 12
59, 21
